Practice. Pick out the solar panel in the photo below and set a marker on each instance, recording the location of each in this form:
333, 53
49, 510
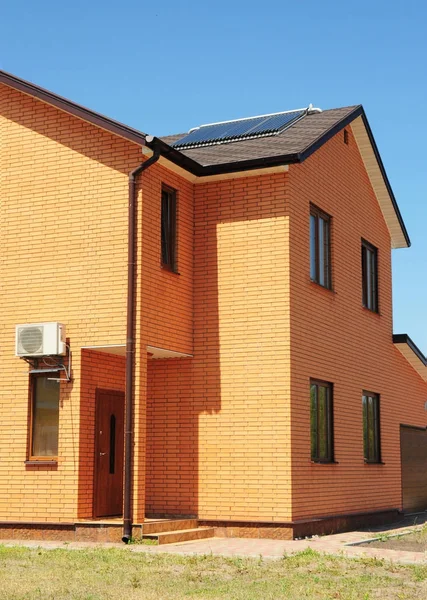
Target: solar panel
217, 133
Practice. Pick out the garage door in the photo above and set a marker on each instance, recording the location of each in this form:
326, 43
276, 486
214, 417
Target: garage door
413, 448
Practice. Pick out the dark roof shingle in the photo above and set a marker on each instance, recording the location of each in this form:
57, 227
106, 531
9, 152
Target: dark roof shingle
294, 140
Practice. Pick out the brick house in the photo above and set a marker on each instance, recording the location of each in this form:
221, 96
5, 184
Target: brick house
229, 360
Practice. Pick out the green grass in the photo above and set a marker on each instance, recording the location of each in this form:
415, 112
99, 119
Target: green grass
34, 574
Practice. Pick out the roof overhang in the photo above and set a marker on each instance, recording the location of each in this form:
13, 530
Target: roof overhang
379, 181
412, 353
152, 351
72, 108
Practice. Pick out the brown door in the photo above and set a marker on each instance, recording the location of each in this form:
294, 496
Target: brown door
109, 452
413, 449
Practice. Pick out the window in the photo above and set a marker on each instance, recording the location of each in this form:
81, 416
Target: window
44, 418
168, 228
320, 247
371, 427
369, 276
321, 421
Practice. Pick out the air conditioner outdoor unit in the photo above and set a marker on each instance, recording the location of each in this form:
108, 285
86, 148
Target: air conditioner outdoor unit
40, 339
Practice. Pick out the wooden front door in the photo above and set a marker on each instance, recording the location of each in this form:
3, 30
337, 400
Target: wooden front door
109, 453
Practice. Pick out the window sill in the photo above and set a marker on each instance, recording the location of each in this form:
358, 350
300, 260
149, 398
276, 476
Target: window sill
169, 269
370, 311
374, 462
323, 287
324, 462
41, 463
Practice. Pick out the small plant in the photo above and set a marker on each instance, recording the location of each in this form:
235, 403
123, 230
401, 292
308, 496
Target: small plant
135, 581
383, 537
143, 541
136, 541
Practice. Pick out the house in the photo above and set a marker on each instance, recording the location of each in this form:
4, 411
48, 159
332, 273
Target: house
216, 309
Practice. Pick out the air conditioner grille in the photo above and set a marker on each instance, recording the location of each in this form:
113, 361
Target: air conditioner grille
30, 340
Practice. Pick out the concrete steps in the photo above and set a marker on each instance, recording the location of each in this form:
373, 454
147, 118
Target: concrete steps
172, 531
179, 535
163, 525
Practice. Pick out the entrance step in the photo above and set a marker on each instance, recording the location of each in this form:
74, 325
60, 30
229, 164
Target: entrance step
180, 535
162, 531
168, 525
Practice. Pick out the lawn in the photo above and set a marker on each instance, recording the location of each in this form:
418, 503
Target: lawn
33, 574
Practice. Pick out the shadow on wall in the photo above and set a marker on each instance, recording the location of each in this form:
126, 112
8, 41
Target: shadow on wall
203, 413
71, 132
178, 392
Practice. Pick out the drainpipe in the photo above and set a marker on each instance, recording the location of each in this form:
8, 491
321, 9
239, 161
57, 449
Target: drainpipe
130, 342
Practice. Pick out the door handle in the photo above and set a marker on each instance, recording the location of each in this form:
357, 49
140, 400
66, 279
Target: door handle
102, 453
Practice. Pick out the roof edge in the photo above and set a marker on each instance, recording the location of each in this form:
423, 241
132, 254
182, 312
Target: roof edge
86, 114
180, 159
385, 178
176, 157
403, 338
359, 111
325, 137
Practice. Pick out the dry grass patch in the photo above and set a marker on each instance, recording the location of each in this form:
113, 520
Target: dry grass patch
33, 574
412, 542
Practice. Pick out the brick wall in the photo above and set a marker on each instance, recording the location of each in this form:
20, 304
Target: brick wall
64, 201
218, 426
99, 370
172, 438
236, 411
333, 338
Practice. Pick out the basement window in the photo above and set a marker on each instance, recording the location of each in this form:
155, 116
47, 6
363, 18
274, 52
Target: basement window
44, 417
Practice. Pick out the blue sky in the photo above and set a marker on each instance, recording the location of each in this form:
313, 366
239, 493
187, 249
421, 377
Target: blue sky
164, 67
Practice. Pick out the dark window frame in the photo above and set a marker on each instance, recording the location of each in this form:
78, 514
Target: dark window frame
320, 273
168, 228
315, 445
369, 255
371, 451
34, 377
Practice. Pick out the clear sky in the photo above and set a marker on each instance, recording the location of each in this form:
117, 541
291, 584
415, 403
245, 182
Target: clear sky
165, 66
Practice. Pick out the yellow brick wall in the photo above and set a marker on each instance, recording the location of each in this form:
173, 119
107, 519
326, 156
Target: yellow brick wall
64, 201
220, 427
218, 434
99, 370
165, 300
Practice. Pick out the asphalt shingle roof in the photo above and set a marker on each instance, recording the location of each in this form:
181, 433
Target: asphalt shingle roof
294, 140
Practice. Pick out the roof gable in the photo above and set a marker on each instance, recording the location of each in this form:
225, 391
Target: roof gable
295, 144
379, 181
412, 353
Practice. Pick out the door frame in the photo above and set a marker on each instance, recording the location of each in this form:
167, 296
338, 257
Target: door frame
98, 392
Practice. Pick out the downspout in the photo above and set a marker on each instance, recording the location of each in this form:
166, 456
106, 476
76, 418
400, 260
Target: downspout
130, 343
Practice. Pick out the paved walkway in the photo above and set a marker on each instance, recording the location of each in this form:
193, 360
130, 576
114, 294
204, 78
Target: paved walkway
270, 549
